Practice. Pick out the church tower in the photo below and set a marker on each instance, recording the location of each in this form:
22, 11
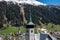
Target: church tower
30, 30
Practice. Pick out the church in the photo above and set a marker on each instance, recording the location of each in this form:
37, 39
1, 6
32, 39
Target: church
31, 35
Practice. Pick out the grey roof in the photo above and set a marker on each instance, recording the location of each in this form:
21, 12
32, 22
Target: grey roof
44, 36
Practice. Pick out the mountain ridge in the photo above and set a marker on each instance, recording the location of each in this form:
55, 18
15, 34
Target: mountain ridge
36, 3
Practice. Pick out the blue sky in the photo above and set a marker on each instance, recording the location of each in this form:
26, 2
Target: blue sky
51, 2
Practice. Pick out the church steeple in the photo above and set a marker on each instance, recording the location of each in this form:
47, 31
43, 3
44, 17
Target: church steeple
30, 29
30, 17
30, 20
30, 24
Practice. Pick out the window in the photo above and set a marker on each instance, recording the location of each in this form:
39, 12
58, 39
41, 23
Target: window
31, 31
27, 31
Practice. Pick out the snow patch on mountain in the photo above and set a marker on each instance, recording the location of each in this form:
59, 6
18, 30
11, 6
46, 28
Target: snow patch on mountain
31, 2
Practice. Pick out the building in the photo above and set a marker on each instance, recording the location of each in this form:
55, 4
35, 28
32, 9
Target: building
30, 30
31, 35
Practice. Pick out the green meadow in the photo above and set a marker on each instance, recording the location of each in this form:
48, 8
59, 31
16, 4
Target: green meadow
13, 29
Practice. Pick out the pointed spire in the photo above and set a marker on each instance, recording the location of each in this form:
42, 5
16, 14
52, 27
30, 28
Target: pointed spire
30, 20
30, 17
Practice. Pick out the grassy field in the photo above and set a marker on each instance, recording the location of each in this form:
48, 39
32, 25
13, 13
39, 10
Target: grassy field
13, 30
52, 27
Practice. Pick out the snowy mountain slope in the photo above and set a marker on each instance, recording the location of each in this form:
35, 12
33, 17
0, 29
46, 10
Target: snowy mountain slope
33, 2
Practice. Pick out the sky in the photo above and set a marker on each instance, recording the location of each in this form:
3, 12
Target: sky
51, 2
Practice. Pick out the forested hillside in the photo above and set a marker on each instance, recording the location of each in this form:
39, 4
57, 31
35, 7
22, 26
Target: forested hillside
10, 14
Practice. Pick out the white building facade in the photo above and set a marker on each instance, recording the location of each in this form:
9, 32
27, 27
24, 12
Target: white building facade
30, 35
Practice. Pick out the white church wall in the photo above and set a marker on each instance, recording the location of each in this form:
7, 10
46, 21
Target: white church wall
37, 36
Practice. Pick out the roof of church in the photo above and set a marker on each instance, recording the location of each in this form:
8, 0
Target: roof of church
30, 23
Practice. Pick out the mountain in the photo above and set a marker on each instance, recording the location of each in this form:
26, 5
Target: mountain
36, 3
33, 2
11, 14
